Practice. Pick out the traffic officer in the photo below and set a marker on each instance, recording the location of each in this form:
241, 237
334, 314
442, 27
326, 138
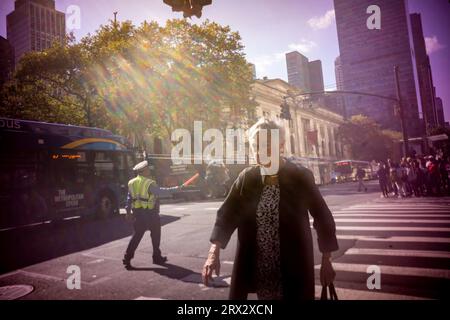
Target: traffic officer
143, 207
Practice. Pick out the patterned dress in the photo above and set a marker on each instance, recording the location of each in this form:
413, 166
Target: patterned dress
268, 272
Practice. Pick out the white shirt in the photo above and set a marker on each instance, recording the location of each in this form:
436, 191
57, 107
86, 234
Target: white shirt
267, 171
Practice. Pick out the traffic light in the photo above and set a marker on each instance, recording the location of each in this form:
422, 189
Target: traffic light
189, 7
285, 113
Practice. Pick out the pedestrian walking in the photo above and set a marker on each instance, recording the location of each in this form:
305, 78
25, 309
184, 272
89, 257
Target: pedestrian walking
400, 174
360, 175
269, 209
143, 209
383, 179
392, 187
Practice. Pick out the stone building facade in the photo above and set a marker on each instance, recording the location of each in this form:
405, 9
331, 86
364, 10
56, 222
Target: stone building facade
311, 134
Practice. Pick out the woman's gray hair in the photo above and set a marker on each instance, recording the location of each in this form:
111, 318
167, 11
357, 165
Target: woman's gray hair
267, 124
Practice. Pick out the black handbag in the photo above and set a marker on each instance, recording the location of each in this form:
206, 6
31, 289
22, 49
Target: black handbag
332, 290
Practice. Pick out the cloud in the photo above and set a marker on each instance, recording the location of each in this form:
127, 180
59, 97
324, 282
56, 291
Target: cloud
304, 46
264, 62
322, 22
432, 44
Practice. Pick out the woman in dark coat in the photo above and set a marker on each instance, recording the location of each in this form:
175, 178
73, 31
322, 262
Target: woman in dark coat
274, 255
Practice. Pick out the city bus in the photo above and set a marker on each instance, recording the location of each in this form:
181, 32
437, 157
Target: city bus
53, 171
345, 170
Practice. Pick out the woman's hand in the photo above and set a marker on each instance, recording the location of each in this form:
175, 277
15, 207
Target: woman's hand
212, 263
327, 273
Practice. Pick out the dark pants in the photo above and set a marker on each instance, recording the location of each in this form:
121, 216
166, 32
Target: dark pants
145, 220
384, 187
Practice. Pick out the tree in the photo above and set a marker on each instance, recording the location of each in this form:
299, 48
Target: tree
367, 140
136, 81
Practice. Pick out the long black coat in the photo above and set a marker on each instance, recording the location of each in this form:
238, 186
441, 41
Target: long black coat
298, 195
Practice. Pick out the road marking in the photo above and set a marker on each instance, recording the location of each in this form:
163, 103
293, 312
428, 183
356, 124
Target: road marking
392, 270
412, 212
42, 276
217, 282
359, 228
93, 255
148, 298
394, 239
352, 294
96, 261
390, 221
413, 208
398, 253
391, 215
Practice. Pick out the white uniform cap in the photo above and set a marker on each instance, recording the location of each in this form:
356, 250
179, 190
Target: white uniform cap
141, 165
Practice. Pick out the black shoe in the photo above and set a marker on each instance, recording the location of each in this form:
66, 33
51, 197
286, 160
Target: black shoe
127, 264
159, 260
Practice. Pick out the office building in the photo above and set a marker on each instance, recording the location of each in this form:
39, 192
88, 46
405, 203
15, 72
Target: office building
368, 57
34, 25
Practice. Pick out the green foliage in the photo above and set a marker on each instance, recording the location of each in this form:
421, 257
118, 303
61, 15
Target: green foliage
440, 130
367, 140
133, 80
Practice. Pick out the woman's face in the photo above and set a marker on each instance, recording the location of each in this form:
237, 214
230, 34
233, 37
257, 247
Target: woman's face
264, 152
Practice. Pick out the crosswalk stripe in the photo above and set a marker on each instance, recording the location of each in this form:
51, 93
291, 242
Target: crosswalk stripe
395, 218
391, 215
397, 205
389, 220
398, 253
447, 212
400, 208
352, 294
360, 228
392, 270
405, 203
394, 239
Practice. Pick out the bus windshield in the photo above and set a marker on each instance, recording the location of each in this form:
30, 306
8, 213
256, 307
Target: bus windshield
345, 170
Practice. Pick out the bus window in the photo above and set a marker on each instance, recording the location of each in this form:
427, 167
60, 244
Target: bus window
70, 169
122, 170
104, 167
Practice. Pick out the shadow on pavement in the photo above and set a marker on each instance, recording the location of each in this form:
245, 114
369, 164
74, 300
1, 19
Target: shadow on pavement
29, 245
179, 273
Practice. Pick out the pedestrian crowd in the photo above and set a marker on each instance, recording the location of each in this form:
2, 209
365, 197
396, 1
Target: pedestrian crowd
420, 176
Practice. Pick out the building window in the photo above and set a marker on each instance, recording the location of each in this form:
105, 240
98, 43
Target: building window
49, 29
330, 142
292, 144
306, 128
53, 23
43, 20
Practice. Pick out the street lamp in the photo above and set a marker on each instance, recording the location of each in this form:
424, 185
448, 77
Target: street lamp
401, 113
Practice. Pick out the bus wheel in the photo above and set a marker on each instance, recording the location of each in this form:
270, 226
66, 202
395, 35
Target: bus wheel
106, 206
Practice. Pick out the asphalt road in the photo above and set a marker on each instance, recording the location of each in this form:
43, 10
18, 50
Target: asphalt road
408, 239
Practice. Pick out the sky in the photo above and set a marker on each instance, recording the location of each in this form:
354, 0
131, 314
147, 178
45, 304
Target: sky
270, 28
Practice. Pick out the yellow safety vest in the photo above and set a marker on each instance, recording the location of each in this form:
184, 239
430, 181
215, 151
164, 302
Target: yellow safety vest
141, 198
